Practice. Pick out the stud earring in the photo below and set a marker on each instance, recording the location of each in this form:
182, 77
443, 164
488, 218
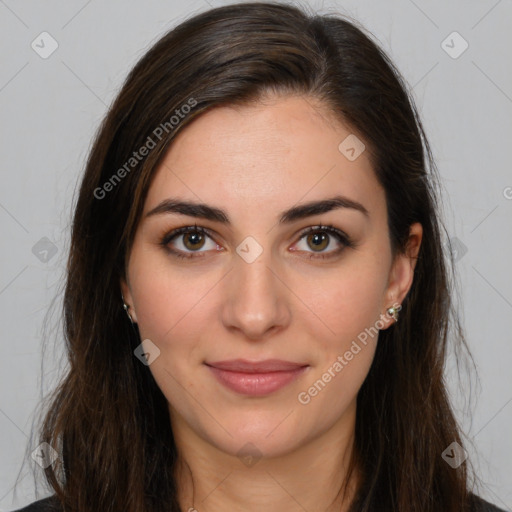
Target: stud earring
393, 311
126, 308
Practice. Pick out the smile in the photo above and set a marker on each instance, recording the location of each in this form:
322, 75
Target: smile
256, 379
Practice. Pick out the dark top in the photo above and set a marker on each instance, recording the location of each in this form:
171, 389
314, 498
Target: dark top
52, 505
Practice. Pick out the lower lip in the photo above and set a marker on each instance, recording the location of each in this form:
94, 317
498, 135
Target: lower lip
256, 384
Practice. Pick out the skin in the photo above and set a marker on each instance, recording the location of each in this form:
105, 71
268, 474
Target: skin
255, 162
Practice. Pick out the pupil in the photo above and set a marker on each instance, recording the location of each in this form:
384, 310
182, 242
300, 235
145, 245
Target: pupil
319, 239
194, 238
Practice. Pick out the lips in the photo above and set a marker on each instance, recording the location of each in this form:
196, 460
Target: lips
256, 378
244, 366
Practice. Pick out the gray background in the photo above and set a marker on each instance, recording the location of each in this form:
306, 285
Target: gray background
51, 107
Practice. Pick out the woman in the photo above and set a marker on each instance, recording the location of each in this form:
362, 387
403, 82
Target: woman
257, 304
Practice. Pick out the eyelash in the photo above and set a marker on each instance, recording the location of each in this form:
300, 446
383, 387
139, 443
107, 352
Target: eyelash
342, 237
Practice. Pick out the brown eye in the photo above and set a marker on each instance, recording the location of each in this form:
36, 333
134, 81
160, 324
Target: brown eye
319, 238
318, 241
189, 242
193, 241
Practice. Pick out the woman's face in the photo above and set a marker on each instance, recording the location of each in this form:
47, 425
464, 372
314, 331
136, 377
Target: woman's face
255, 285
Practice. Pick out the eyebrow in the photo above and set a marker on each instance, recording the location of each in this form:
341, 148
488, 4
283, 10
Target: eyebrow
204, 211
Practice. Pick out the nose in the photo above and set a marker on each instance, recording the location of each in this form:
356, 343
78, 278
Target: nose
257, 299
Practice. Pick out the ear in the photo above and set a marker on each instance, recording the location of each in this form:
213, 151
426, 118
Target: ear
402, 271
128, 299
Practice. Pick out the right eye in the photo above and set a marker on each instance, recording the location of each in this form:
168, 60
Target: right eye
189, 239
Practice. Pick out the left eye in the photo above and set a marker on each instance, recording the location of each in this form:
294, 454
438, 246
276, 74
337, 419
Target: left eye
320, 237
193, 238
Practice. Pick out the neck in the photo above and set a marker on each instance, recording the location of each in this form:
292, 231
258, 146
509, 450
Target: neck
313, 477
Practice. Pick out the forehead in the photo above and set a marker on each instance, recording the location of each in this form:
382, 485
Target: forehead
264, 157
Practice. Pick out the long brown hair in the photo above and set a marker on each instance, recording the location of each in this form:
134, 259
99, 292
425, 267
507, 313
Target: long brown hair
107, 419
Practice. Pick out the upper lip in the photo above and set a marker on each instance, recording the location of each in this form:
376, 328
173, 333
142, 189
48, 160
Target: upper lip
245, 366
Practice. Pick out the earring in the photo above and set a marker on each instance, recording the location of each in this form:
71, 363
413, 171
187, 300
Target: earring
393, 311
126, 308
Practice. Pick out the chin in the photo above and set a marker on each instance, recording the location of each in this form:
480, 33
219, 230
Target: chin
268, 435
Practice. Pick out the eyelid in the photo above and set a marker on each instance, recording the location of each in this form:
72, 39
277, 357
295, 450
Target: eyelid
329, 228
185, 229
175, 233
342, 238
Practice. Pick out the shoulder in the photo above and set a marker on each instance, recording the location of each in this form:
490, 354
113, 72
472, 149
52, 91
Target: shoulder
50, 504
480, 505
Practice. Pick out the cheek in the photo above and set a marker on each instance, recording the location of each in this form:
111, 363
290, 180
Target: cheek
344, 302
173, 310
348, 302
343, 356
175, 321
165, 297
